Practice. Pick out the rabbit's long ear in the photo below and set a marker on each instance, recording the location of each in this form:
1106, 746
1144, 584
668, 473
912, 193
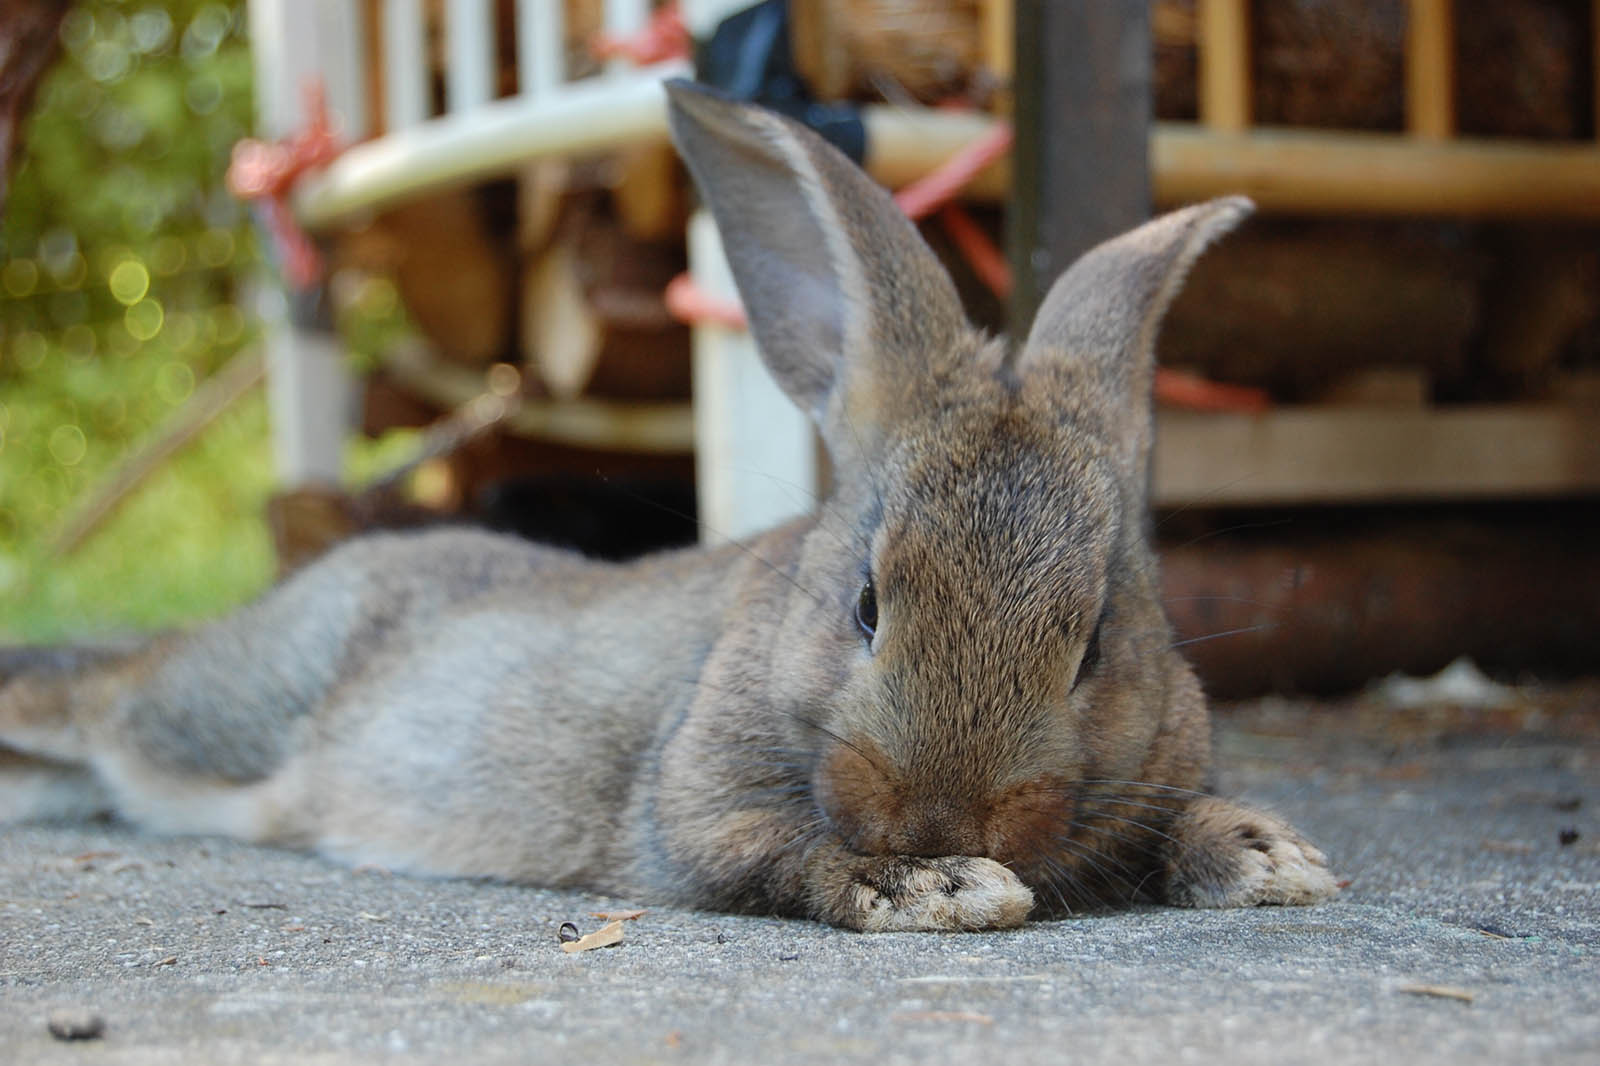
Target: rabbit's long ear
1094, 336
838, 284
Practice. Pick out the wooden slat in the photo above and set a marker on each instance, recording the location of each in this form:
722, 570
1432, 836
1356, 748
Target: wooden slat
1224, 54
1430, 69
1340, 454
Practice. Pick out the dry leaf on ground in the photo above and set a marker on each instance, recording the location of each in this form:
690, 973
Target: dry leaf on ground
603, 937
1439, 992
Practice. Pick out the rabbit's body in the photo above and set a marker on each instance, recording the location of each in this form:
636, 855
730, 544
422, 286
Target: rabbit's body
453, 702
946, 698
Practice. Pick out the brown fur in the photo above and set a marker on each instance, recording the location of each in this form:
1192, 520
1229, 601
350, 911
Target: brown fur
720, 728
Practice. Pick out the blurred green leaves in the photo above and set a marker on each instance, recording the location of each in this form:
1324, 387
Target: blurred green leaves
121, 258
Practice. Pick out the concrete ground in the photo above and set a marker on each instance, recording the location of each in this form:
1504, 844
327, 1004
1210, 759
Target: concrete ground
1469, 933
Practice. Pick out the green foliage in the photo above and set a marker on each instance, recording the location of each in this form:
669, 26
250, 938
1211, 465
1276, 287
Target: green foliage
120, 262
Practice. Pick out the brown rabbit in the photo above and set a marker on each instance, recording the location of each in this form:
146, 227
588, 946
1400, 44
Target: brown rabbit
946, 701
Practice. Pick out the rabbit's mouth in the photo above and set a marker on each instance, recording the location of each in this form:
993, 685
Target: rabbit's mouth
878, 811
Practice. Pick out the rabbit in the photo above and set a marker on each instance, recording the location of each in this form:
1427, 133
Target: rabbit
946, 701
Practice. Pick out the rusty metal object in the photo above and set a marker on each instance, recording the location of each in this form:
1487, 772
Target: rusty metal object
1320, 604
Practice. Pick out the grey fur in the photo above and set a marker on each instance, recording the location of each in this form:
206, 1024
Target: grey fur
711, 726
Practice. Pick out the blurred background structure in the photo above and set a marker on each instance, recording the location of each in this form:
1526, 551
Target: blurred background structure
464, 261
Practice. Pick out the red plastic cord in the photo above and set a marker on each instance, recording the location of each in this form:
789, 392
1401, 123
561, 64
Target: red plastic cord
1191, 392
978, 250
690, 304
926, 195
268, 172
664, 37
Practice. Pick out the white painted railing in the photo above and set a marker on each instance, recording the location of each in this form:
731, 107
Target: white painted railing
740, 457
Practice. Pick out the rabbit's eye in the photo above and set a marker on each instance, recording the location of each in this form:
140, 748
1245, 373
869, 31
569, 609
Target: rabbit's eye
1091, 657
867, 610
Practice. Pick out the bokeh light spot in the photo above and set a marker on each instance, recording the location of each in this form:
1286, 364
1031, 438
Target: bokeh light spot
144, 319
107, 60
68, 445
20, 276
215, 247
77, 29
206, 31
203, 94
175, 382
70, 272
79, 342
29, 350
129, 281
152, 29
182, 331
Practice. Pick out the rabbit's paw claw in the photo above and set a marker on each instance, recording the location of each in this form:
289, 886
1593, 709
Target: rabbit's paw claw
1229, 855
959, 892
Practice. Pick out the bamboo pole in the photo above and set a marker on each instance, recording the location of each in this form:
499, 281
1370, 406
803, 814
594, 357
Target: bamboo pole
1378, 174
997, 29
1316, 172
1224, 74
1430, 69
644, 427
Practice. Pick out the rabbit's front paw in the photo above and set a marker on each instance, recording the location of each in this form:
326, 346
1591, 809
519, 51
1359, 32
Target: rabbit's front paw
900, 894
1227, 855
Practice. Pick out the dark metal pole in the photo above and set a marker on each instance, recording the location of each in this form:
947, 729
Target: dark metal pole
1081, 162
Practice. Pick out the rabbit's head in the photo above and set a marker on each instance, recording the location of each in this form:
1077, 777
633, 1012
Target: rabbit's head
974, 651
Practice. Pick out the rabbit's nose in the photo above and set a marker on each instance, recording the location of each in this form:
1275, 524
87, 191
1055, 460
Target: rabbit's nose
877, 811
929, 829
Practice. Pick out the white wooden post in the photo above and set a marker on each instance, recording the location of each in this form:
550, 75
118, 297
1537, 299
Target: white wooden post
624, 18
310, 394
541, 46
755, 453
469, 33
405, 65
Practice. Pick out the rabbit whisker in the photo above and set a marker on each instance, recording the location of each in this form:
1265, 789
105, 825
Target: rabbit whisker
1225, 599
1146, 784
1224, 633
1235, 529
1137, 825
825, 731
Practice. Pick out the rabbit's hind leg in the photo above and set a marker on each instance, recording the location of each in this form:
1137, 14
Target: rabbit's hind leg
33, 789
153, 734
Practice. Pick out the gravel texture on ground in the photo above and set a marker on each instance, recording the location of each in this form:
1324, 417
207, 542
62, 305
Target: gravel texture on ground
1469, 933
